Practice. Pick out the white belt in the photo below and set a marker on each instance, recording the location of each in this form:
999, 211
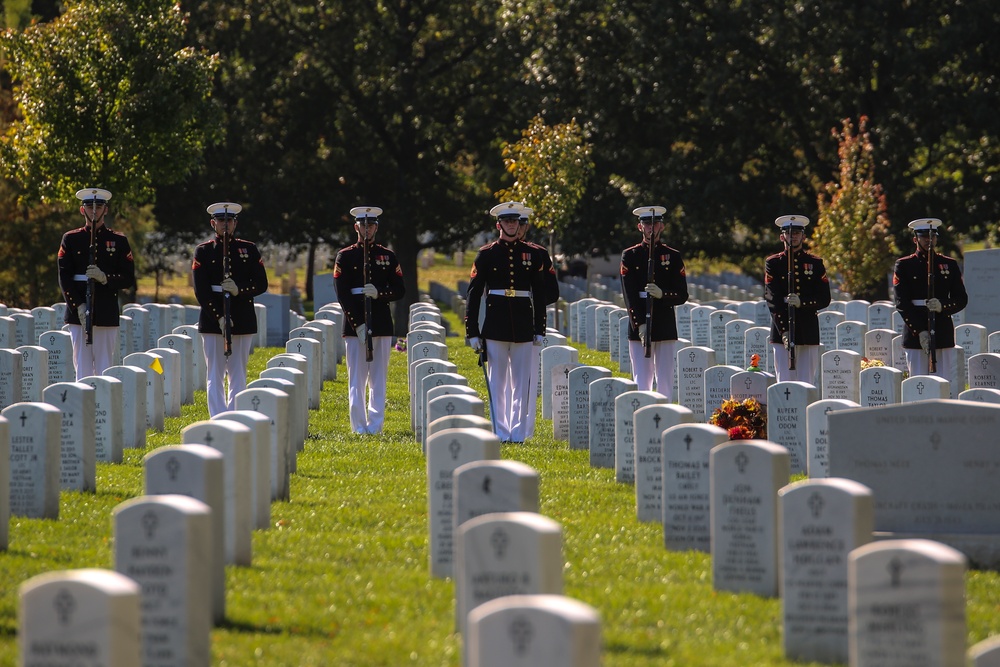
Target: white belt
509, 292
919, 302
216, 288
80, 278
357, 290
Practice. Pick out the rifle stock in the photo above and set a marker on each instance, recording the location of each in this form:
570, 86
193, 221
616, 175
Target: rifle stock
227, 330
650, 277
369, 349
931, 315
89, 324
791, 308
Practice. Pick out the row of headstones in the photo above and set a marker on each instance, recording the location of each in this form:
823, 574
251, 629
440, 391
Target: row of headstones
730, 499
509, 607
676, 500
224, 476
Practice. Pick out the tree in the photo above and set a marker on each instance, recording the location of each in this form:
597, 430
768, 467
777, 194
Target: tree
108, 95
853, 232
551, 167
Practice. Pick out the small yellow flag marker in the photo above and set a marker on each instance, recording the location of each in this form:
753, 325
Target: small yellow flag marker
157, 366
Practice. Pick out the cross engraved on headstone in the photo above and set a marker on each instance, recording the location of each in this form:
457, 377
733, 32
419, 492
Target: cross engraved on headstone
149, 522
454, 447
788, 392
720, 317
984, 363
816, 505
656, 420
692, 356
173, 467
486, 483
847, 329
836, 360
499, 540
877, 376
545, 342
687, 441
450, 408
566, 373
65, 605
756, 336
895, 572
748, 381
607, 390
586, 377
521, 633
635, 404
920, 387
170, 343
741, 462
23, 418
967, 331
52, 340
208, 438
720, 375
255, 402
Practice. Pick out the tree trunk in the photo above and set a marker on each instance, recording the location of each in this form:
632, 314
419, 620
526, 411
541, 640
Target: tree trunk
310, 270
407, 250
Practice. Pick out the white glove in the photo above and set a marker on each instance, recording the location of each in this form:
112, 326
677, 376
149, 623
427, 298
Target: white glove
933, 305
642, 334
476, 344
81, 312
362, 333
222, 324
793, 300
785, 340
229, 285
94, 273
370, 290
925, 341
538, 340
653, 290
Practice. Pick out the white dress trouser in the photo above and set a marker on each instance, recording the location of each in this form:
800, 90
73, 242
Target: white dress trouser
918, 363
218, 366
509, 373
366, 383
96, 358
806, 364
658, 369
530, 406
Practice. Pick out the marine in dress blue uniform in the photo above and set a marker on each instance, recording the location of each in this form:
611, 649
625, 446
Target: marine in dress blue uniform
247, 278
367, 380
510, 274
668, 289
808, 294
113, 270
909, 283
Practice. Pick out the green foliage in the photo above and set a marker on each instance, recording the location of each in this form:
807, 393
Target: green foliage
551, 166
853, 233
29, 239
108, 95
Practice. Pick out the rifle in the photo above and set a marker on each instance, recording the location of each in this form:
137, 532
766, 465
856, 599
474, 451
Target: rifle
92, 260
227, 308
791, 308
931, 315
650, 277
486, 377
369, 350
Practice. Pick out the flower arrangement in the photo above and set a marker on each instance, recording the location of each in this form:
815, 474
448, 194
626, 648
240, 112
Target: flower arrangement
401, 345
743, 420
870, 363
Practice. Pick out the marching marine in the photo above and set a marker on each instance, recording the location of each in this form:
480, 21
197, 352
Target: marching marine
803, 298
230, 269
511, 275
915, 305
96, 261
650, 303
367, 287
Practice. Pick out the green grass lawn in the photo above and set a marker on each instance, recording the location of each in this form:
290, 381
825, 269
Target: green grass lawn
342, 575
